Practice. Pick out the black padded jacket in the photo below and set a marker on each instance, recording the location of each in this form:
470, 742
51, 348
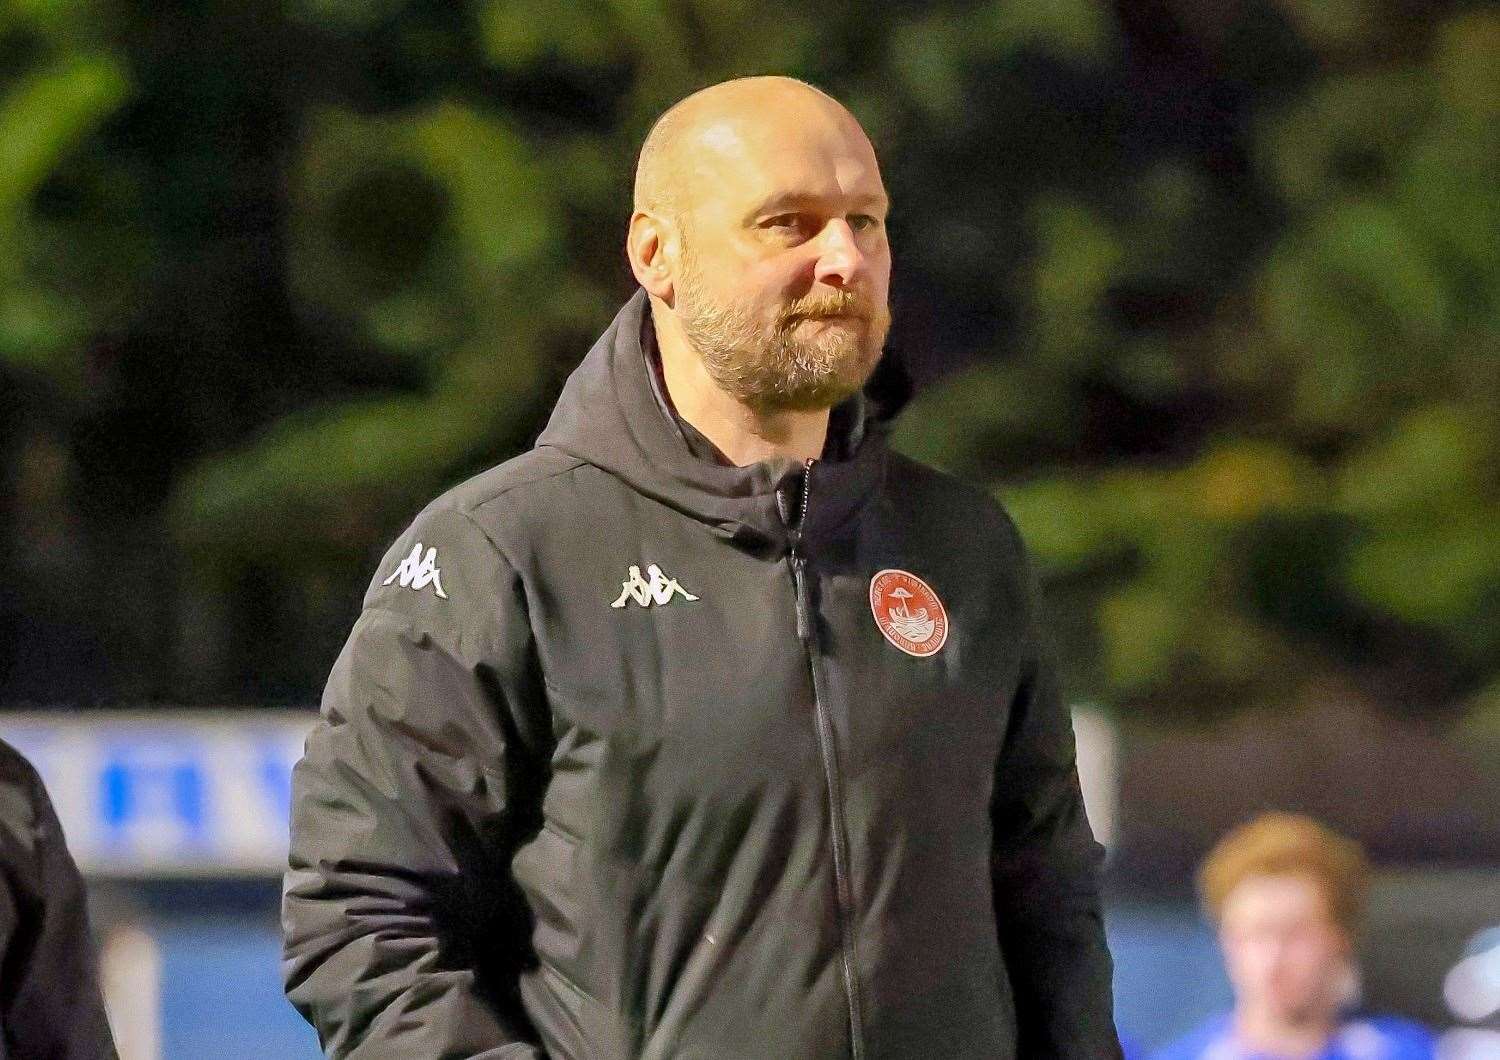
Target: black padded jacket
635, 755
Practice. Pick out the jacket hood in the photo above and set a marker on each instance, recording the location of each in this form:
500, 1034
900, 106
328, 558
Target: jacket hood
609, 416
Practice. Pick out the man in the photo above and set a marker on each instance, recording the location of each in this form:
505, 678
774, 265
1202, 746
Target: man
710, 727
1288, 895
50, 1004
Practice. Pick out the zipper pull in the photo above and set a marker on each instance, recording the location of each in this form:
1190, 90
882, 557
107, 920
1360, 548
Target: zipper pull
805, 631
804, 615
806, 493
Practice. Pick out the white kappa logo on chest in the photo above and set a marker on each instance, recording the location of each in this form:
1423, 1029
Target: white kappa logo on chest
658, 589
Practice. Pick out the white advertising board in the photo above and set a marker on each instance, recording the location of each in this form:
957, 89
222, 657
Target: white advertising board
167, 793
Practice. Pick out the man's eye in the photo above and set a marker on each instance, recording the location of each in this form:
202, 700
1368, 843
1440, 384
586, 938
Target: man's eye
862, 222
790, 227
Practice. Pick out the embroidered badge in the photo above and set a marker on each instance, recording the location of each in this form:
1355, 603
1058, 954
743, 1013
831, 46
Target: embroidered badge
908, 612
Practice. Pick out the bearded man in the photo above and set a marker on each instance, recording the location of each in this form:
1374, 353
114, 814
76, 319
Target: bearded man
710, 727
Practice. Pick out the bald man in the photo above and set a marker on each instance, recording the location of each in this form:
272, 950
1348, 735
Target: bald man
710, 727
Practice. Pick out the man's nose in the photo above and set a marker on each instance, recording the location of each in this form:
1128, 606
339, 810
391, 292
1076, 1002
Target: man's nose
840, 261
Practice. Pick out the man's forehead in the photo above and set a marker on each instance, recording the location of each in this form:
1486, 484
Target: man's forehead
765, 160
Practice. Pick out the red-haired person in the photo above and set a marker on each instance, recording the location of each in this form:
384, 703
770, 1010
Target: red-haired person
1288, 895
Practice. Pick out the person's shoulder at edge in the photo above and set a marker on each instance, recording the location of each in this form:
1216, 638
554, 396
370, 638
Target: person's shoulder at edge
14, 766
20, 792
1195, 1044
1386, 1037
1394, 1037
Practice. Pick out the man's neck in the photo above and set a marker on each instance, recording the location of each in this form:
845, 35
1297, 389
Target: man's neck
744, 435
1264, 1031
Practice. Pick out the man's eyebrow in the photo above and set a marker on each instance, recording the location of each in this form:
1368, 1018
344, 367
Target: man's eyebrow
785, 200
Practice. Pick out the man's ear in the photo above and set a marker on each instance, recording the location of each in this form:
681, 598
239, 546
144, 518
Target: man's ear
646, 245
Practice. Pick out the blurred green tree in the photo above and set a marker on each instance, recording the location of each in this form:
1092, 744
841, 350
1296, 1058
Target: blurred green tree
1208, 295
1318, 504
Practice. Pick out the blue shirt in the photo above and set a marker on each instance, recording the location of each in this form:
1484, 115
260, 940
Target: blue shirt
1359, 1038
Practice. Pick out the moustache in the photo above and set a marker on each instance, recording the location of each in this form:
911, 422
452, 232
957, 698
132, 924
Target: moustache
841, 303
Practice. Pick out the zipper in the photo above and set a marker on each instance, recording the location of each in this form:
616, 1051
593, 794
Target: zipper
806, 633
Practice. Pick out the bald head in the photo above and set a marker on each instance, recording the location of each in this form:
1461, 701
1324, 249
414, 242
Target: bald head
759, 235
719, 125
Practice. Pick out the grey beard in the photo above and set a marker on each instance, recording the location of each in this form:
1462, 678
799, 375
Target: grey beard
775, 372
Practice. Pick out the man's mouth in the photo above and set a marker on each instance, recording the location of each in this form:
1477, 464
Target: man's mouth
835, 315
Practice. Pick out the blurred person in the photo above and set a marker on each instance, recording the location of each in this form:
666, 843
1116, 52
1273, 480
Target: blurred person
710, 727
1288, 896
50, 1003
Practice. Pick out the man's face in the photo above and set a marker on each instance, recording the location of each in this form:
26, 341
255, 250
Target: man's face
1283, 952
784, 270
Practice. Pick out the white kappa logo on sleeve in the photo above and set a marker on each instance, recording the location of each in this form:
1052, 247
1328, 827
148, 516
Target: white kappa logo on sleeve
418, 571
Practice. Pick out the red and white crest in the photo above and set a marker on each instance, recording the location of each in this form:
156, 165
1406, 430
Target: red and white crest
908, 612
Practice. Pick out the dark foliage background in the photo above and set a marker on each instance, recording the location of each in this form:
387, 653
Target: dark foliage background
1209, 292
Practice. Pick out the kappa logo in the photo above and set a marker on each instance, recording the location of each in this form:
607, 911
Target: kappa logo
658, 589
418, 571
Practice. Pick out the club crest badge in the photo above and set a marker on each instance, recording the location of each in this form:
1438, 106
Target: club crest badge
908, 612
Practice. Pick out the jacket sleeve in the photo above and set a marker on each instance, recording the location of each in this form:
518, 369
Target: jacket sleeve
403, 932
49, 988
1045, 869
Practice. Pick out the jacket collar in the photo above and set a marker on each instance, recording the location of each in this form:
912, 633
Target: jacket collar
609, 415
